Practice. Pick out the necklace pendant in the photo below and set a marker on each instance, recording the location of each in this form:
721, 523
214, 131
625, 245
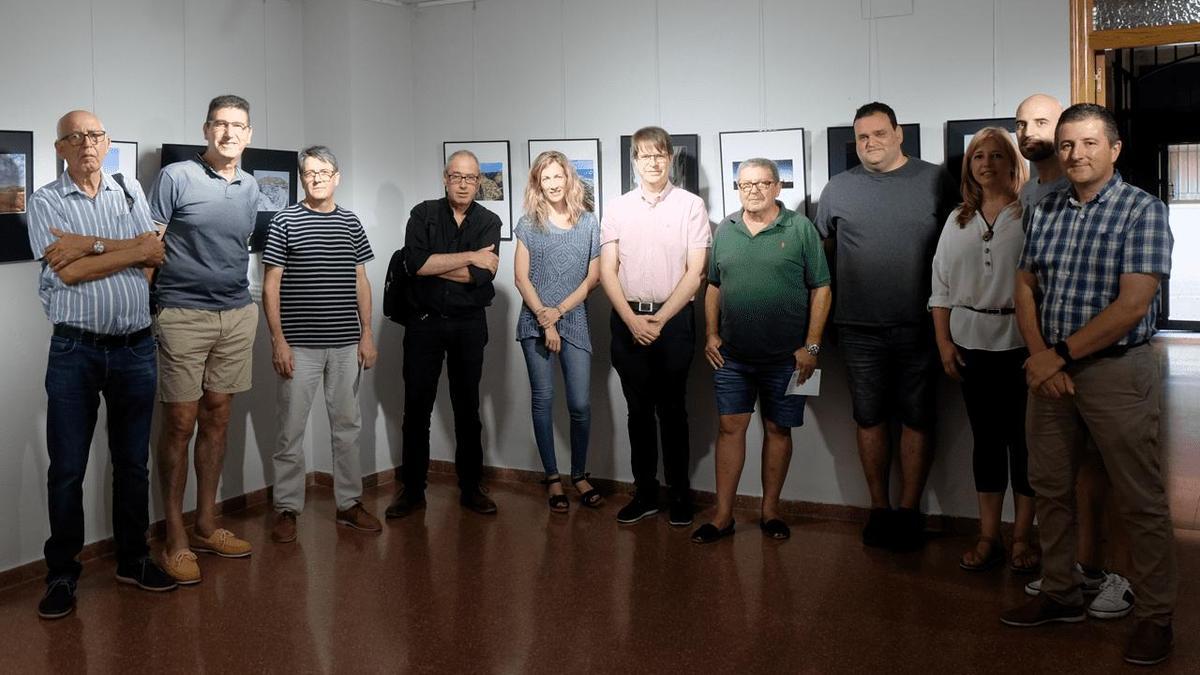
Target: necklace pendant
987, 236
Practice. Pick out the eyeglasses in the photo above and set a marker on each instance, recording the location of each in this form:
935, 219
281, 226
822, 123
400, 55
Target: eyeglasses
324, 174
467, 178
222, 125
652, 159
79, 138
750, 186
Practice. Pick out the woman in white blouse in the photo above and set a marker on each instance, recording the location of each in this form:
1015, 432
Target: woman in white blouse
978, 340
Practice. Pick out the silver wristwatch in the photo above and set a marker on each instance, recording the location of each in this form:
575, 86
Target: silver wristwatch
98, 247
813, 349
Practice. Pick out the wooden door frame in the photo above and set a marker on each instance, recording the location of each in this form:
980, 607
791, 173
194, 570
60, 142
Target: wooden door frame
1089, 70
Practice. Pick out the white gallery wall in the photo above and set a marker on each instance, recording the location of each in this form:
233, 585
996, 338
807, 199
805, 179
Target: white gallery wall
385, 85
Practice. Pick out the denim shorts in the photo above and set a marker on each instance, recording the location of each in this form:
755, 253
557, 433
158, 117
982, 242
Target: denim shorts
738, 384
892, 369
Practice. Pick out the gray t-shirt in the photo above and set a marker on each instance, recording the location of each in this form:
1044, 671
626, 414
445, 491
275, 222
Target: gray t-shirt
558, 263
1033, 192
887, 227
209, 223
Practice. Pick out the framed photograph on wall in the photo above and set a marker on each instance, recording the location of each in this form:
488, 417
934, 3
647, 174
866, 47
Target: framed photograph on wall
843, 155
274, 170
16, 187
495, 179
122, 158
784, 146
959, 134
584, 155
685, 165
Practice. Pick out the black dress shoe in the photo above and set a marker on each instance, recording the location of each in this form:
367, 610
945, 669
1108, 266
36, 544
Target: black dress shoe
909, 530
635, 510
476, 499
146, 575
59, 599
878, 532
708, 533
405, 502
680, 513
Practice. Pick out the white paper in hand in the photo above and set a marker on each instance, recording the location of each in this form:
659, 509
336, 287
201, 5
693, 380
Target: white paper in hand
810, 387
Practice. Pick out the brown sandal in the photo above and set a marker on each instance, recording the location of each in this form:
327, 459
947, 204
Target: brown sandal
989, 560
1026, 561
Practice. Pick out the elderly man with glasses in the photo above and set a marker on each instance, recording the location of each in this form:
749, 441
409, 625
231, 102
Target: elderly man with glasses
450, 256
205, 323
97, 242
317, 300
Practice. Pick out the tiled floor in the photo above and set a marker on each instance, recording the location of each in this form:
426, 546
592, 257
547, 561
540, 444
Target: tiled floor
529, 592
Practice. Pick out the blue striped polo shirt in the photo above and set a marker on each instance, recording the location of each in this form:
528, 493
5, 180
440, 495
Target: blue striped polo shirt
117, 304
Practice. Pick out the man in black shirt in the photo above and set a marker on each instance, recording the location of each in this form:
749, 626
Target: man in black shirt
449, 253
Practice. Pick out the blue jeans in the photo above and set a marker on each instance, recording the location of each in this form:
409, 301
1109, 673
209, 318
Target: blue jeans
577, 370
77, 373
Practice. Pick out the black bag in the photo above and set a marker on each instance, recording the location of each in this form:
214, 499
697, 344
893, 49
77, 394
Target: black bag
395, 286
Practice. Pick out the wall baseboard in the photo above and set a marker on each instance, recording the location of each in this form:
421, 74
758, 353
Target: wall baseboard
945, 525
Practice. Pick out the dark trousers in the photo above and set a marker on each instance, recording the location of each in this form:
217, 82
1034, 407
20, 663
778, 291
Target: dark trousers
994, 392
654, 380
77, 374
427, 341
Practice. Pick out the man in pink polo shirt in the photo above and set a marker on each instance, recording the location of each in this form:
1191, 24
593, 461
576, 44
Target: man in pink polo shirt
653, 248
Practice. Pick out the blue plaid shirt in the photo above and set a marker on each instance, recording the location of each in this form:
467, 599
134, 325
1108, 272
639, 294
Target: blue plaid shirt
1079, 252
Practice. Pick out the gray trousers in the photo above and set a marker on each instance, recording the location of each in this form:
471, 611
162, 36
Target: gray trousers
1117, 402
338, 368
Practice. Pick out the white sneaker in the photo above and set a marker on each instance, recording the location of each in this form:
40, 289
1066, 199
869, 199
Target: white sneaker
1115, 599
1091, 585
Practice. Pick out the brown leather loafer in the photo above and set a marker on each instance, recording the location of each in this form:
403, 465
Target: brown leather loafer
284, 529
358, 518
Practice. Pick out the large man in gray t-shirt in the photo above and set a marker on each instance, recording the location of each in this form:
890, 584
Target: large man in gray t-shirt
205, 324
886, 215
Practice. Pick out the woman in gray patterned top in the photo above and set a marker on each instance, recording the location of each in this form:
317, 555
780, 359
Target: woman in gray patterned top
556, 266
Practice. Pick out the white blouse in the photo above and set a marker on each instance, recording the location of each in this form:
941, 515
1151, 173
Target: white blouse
970, 272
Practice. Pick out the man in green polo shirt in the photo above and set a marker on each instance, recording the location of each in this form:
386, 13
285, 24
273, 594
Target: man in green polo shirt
765, 309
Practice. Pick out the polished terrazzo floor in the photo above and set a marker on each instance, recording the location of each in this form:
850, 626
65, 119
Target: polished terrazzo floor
529, 592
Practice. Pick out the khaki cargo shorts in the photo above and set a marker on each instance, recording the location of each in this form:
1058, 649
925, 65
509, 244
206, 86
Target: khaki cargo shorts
203, 350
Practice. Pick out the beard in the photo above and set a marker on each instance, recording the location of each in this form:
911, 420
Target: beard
1037, 151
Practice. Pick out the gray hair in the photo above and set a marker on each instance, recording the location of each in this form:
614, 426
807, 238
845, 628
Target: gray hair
455, 155
761, 163
317, 152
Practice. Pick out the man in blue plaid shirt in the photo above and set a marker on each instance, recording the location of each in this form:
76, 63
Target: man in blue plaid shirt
1086, 305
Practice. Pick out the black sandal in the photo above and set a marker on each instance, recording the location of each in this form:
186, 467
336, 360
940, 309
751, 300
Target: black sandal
558, 503
709, 533
775, 528
592, 498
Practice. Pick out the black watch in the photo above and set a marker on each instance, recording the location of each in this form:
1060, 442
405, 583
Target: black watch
1063, 351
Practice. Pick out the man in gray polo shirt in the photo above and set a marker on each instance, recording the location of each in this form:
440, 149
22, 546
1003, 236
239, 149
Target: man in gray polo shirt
205, 324
886, 215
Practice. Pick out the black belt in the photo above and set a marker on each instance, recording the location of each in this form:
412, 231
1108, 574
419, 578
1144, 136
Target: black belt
645, 307
1113, 350
62, 330
996, 311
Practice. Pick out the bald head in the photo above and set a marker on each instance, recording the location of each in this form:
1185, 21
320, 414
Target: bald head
82, 143
1036, 118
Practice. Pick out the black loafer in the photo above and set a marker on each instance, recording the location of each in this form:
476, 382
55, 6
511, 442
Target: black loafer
775, 528
59, 600
146, 575
708, 533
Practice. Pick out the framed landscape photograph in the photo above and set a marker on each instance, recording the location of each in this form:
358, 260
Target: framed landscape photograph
122, 158
843, 155
685, 165
783, 146
275, 172
16, 187
584, 155
959, 134
495, 178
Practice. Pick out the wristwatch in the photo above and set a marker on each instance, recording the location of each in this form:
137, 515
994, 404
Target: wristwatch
813, 349
1064, 351
98, 247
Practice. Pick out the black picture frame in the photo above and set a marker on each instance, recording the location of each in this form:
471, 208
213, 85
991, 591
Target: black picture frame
956, 144
253, 160
843, 155
576, 150
495, 191
685, 167
16, 189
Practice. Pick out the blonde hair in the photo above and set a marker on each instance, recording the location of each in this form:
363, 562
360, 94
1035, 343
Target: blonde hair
972, 191
537, 207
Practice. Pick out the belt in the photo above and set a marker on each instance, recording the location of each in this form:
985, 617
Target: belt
989, 310
645, 307
1113, 350
62, 330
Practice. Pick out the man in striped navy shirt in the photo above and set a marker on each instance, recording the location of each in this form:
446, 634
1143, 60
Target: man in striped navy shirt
96, 241
317, 299
1086, 297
